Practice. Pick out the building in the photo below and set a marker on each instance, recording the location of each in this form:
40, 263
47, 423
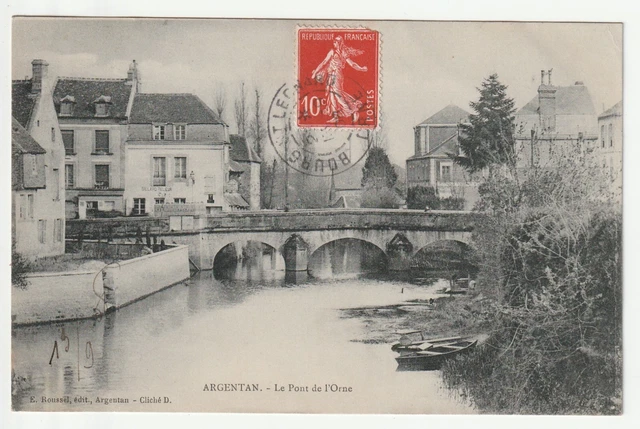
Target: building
177, 157
608, 149
558, 123
93, 116
38, 218
436, 140
249, 162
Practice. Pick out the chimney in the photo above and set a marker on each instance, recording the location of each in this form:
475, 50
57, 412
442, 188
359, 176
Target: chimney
39, 71
547, 103
132, 76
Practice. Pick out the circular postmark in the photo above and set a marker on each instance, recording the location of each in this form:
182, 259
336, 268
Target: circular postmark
316, 151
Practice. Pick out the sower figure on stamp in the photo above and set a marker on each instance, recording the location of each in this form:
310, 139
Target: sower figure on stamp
338, 102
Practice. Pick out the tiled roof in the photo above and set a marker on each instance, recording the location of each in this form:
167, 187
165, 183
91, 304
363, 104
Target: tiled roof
241, 150
235, 200
86, 91
570, 100
21, 103
616, 110
22, 141
451, 114
171, 108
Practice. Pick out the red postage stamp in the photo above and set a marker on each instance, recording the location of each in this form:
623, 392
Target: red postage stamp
338, 77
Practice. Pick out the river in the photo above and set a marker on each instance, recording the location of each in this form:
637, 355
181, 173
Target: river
251, 327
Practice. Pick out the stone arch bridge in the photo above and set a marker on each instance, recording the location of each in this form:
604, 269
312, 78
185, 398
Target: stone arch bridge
295, 235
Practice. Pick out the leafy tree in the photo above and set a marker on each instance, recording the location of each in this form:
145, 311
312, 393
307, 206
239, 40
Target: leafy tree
378, 171
488, 139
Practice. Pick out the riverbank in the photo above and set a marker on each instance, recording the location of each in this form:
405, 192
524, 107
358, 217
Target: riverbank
446, 316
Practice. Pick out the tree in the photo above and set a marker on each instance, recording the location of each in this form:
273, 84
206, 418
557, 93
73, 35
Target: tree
257, 129
220, 101
488, 139
241, 111
378, 171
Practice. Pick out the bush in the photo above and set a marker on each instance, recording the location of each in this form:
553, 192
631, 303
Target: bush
379, 197
550, 251
421, 197
20, 267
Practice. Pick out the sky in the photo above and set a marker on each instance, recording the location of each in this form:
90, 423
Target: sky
424, 65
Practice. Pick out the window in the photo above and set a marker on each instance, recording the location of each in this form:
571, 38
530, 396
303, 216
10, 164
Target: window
53, 134
179, 132
66, 108
180, 200
158, 132
32, 160
56, 183
159, 201
42, 231
210, 199
92, 205
69, 180
180, 170
101, 176
57, 230
30, 206
602, 137
445, 172
139, 206
102, 141
68, 138
159, 171
610, 135
101, 109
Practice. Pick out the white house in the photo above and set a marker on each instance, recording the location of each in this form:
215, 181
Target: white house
177, 157
38, 194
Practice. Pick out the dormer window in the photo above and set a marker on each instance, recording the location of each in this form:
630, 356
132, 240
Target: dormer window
67, 105
158, 132
102, 104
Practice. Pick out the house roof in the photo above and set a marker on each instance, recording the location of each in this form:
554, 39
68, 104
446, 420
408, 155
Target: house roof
451, 114
241, 150
22, 103
87, 91
615, 110
347, 202
570, 100
22, 141
171, 108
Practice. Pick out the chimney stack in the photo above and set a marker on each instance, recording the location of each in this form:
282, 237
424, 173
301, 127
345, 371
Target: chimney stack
39, 74
132, 76
547, 103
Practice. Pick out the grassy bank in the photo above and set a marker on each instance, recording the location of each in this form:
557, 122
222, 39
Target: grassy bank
448, 316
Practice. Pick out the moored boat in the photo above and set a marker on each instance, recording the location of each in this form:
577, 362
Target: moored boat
429, 356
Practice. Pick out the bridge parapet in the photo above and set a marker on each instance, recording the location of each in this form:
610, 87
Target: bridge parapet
313, 220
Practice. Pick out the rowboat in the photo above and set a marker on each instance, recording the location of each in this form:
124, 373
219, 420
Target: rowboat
430, 354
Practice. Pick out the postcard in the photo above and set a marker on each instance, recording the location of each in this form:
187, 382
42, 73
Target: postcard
318, 217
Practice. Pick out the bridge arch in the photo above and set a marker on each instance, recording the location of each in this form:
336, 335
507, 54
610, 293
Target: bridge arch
241, 256
445, 252
346, 255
